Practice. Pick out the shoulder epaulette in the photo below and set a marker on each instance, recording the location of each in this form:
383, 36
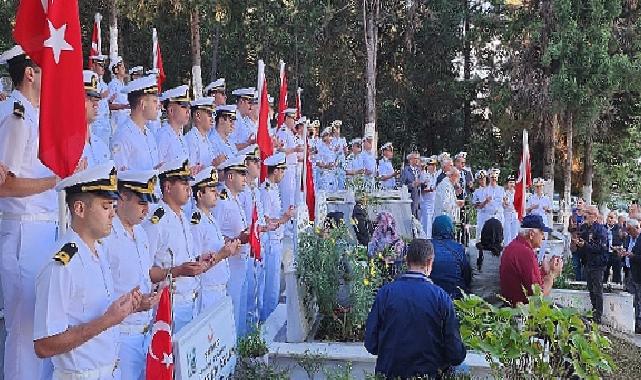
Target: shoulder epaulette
18, 110
223, 194
66, 253
158, 214
195, 217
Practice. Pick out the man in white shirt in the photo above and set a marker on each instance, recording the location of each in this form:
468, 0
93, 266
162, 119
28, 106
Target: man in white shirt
134, 145
28, 224
208, 238
118, 104
76, 307
234, 224
386, 173
201, 149
170, 138
171, 242
131, 261
224, 148
96, 151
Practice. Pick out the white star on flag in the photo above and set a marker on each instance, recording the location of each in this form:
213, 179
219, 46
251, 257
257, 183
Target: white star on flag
57, 41
167, 359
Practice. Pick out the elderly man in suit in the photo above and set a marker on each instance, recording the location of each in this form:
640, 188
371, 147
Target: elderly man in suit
410, 178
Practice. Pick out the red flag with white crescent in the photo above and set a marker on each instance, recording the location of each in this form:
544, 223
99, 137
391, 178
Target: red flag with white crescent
157, 58
49, 32
160, 359
282, 96
525, 179
310, 194
263, 139
254, 237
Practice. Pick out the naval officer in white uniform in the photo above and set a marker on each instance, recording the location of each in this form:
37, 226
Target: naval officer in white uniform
76, 308
28, 224
130, 260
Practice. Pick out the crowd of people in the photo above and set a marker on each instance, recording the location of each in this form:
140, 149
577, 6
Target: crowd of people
150, 203
167, 190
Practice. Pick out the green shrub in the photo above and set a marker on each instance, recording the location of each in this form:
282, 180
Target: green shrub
534, 341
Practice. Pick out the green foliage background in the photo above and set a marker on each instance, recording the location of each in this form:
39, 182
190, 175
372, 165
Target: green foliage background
583, 61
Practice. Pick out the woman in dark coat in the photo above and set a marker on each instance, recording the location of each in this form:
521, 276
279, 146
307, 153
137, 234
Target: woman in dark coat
451, 269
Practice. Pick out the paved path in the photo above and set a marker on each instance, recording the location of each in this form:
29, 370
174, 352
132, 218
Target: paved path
485, 283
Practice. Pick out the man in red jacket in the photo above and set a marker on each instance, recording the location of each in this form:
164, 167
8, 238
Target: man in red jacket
519, 269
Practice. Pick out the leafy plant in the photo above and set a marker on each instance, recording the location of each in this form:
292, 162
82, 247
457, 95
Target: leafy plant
311, 363
253, 345
340, 373
331, 270
259, 371
534, 341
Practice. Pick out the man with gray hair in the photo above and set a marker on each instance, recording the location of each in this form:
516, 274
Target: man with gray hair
592, 245
631, 252
446, 194
519, 269
410, 178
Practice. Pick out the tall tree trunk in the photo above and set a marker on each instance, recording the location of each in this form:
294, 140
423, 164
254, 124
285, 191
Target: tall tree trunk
467, 68
113, 29
213, 73
371, 12
588, 169
196, 73
550, 128
567, 183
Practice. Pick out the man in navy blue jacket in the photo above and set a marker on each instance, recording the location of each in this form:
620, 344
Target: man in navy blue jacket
412, 326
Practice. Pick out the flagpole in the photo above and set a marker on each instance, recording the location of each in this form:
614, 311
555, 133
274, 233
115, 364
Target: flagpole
62, 213
154, 48
98, 18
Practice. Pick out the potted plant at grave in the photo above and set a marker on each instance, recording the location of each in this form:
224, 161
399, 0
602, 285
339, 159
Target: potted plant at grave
253, 349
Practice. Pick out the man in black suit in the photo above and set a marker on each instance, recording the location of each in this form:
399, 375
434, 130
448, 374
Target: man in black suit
466, 182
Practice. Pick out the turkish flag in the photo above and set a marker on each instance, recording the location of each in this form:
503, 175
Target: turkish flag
525, 179
282, 96
254, 238
160, 359
49, 32
310, 193
157, 56
263, 139
95, 39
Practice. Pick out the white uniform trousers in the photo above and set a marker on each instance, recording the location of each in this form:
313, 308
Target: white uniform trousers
481, 218
132, 353
273, 258
237, 290
183, 313
102, 373
510, 227
23, 247
212, 296
427, 217
287, 187
255, 288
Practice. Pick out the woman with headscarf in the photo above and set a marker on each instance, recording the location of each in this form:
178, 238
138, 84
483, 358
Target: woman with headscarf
385, 237
451, 270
